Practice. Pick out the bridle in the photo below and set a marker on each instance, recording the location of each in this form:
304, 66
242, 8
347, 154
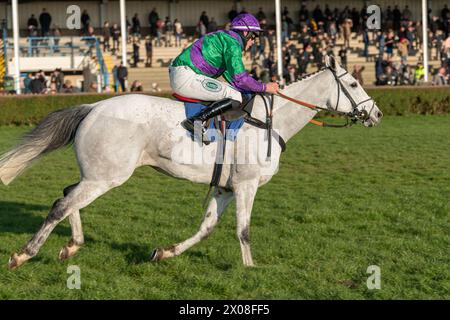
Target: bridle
351, 117
355, 114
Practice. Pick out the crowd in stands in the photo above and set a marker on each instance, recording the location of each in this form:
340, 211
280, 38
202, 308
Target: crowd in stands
317, 32
303, 44
39, 83
406, 36
314, 36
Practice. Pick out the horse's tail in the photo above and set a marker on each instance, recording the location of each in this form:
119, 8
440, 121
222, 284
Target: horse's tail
55, 131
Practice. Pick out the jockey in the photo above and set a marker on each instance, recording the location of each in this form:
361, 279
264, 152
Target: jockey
192, 74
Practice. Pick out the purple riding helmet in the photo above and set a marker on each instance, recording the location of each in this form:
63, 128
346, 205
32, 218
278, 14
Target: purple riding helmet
245, 22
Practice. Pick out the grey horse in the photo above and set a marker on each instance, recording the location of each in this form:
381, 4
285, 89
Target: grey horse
115, 136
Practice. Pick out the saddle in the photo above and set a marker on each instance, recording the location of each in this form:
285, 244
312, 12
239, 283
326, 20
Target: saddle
232, 119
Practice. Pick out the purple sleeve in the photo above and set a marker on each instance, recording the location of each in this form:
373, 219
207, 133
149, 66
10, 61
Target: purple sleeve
244, 82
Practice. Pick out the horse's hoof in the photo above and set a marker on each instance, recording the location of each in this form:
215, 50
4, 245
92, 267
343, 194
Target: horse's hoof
63, 254
157, 255
67, 252
15, 261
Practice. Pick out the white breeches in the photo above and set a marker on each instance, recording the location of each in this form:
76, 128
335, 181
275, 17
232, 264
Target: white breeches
185, 82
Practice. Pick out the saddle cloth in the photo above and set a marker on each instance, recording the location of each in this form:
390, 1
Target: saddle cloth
232, 127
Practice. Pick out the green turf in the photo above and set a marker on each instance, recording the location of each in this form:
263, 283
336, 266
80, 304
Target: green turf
343, 199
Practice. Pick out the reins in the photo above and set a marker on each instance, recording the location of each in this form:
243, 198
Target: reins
348, 123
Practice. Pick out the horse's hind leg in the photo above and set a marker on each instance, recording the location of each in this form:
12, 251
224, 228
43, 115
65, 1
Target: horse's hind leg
77, 240
216, 207
81, 196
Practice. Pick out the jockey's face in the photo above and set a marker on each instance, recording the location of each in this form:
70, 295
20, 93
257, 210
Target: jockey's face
250, 41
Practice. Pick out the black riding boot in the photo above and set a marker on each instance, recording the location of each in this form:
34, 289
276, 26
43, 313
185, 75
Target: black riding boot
215, 109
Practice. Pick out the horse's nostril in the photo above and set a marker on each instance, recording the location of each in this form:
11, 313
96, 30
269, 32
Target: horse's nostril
379, 114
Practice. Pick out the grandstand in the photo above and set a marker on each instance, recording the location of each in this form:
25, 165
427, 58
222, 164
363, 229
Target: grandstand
74, 52
162, 56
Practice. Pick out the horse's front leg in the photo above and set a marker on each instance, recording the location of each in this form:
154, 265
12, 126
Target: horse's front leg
245, 194
216, 207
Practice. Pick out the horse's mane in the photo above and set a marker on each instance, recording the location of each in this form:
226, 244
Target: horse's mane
310, 74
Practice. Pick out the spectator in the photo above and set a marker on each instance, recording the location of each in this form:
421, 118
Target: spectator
149, 51
391, 76
136, 26
317, 14
291, 74
115, 33
36, 85
441, 78
260, 15
419, 74
129, 29
397, 15
106, 32
168, 30
444, 13
56, 33
57, 79
381, 40
155, 87
159, 32
355, 20
347, 29
116, 79
357, 73
201, 29
45, 19
93, 87
88, 77
68, 87
402, 48
27, 83
365, 35
122, 74
232, 13
85, 20
405, 74
136, 86
390, 44
271, 40
153, 18
212, 26
32, 22
42, 78
136, 45
91, 32
303, 15
343, 56
204, 19
406, 14
33, 42
178, 32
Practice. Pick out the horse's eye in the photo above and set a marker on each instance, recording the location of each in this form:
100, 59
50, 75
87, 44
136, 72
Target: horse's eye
354, 85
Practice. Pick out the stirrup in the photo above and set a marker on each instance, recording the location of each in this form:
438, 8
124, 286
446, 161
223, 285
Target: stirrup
190, 126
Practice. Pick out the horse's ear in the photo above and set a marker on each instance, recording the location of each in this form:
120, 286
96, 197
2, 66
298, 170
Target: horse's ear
330, 62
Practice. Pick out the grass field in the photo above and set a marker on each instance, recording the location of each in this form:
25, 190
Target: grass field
343, 200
